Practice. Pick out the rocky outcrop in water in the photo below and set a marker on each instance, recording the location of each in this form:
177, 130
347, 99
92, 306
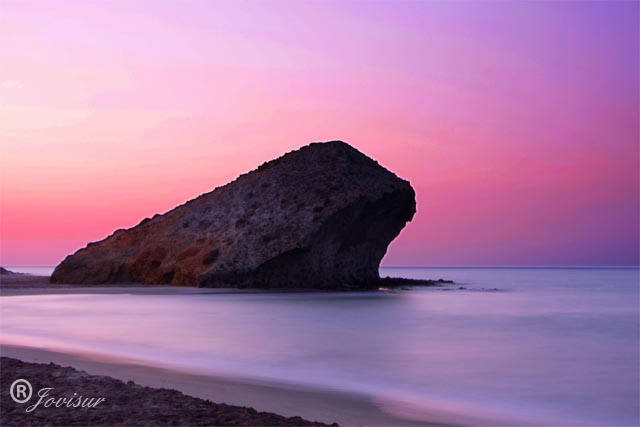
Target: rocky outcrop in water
5, 272
319, 217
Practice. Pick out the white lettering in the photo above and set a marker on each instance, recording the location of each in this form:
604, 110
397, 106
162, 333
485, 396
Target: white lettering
74, 401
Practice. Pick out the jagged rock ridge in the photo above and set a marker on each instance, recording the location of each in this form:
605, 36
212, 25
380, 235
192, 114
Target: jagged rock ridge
319, 217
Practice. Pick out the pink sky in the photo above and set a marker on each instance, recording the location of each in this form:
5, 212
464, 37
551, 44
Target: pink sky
516, 122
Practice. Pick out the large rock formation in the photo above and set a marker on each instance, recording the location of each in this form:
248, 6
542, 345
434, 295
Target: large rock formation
319, 217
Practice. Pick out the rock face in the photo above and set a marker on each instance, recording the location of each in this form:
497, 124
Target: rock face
320, 217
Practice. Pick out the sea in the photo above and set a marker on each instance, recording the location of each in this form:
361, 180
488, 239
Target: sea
502, 346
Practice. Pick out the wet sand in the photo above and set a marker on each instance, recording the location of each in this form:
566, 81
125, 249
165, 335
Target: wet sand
64, 396
26, 284
327, 406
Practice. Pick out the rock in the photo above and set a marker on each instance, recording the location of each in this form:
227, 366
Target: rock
5, 272
320, 217
394, 282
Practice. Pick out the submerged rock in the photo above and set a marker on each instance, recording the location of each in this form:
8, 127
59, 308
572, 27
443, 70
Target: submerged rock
319, 217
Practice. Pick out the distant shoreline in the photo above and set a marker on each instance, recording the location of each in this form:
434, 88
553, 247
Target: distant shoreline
26, 284
45, 270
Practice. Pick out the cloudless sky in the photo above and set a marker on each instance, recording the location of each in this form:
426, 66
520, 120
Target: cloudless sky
516, 122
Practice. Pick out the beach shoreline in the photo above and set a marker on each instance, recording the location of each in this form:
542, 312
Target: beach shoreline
283, 398
326, 406
18, 285
363, 358
26, 284
66, 396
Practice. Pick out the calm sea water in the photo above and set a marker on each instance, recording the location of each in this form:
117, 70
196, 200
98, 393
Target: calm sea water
552, 346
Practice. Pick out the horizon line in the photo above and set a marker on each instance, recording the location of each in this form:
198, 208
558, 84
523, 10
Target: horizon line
437, 266
510, 266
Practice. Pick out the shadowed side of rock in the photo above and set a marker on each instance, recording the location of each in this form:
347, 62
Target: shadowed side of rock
319, 217
345, 252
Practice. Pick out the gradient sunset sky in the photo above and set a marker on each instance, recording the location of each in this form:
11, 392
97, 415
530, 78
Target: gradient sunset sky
516, 122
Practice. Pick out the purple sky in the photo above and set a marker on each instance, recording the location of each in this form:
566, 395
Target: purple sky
516, 122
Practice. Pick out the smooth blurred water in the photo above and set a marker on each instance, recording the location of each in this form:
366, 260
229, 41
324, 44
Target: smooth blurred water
552, 346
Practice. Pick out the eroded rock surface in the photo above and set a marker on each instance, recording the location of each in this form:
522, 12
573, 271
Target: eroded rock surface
319, 217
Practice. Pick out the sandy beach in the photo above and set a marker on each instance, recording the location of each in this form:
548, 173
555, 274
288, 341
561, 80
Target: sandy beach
326, 406
26, 284
65, 396
323, 405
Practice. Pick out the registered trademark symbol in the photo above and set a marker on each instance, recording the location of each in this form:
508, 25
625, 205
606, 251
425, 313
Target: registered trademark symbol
20, 390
